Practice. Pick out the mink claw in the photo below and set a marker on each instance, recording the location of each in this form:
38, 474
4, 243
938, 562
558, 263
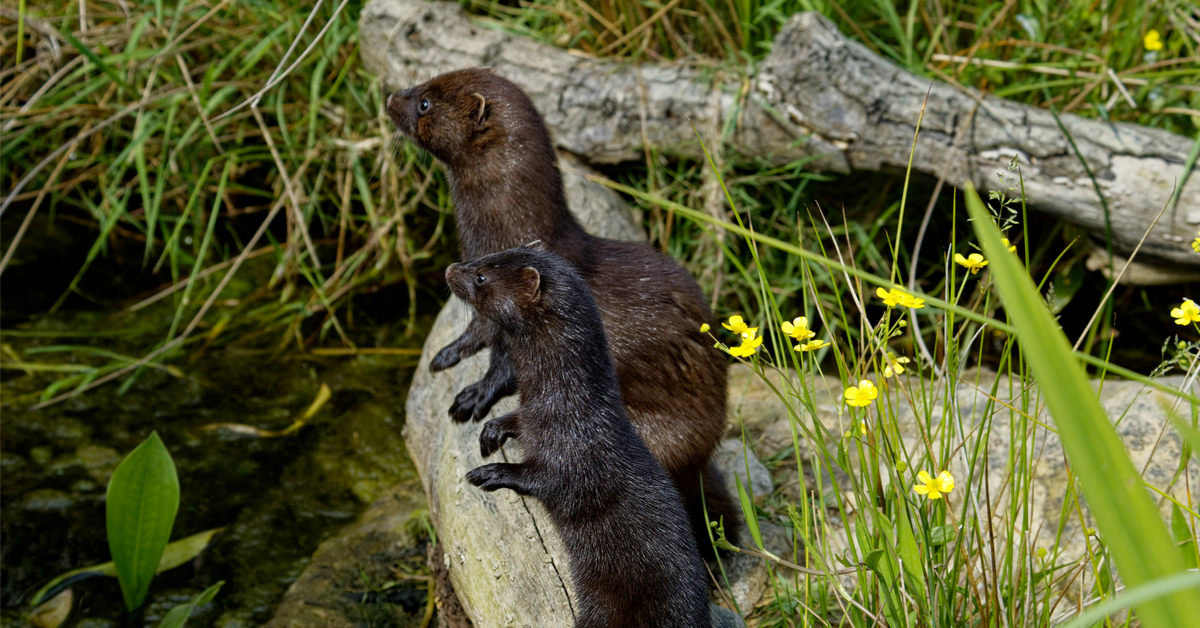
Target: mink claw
467, 405
485, 477
491, 439
444, 359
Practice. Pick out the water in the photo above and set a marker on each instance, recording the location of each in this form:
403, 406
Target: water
277, 498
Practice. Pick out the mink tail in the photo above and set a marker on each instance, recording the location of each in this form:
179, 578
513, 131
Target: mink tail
720, 505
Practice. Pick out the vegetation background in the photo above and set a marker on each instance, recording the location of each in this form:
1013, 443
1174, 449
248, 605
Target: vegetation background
159, 215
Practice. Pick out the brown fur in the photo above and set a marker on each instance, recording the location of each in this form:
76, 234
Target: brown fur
633, 558
507, 191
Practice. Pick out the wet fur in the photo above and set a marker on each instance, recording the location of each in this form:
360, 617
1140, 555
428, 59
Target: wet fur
507, 191
634, 561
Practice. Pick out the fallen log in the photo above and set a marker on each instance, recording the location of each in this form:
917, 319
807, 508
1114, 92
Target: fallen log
821, 96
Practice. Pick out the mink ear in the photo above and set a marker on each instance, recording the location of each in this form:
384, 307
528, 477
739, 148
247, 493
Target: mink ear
536, 245
484, 110
531, 282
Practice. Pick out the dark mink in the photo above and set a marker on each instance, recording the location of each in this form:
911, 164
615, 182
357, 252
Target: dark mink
634, 561
507, 191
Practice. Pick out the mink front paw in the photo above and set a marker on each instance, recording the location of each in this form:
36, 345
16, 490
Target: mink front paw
472, 404
445, 359
492, 438
488, 477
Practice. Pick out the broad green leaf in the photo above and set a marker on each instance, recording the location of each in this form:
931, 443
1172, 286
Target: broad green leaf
941, 535
1183, 536
174, 555
748, 513
178, 616
910, 554
1137, 538
1104, 578
866, 544
142, 499
877, 561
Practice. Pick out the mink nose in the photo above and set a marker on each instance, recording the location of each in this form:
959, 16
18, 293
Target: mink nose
450, 270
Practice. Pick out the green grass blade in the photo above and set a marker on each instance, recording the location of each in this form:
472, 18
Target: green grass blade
704, 218
218, 199
1138, 538
1151, 590
87, 52
197, 188
178, 616
1187, 171
140, 507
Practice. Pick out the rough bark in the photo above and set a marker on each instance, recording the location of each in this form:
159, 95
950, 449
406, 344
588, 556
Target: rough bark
817, 95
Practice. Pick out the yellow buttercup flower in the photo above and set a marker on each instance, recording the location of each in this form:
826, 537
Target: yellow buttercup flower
861, 395
1189, 312
1011, 248
1152, 41
888, 296
811, 345
750, 343
932, 487
738, 326
909, 301
798, 329
973, 263
895, 365
896, 297
704, 328
1196, 243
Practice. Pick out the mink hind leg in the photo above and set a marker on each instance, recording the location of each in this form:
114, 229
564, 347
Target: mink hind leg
500, 381
480, 333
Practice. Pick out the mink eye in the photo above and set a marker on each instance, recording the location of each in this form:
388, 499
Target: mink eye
424, 106
480, 279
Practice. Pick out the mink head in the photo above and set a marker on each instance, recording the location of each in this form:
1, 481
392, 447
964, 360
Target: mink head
521, 288
466, 114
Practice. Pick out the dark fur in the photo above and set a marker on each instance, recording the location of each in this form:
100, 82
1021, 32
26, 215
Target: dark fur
507, 191
634, 561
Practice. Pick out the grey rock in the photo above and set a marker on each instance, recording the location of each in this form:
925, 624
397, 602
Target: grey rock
330, 591
1136, 411
47, 500
748, 576
724, 618
735, 460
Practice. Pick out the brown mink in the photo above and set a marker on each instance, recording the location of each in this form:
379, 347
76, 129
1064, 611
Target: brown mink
507, 191
633, 558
